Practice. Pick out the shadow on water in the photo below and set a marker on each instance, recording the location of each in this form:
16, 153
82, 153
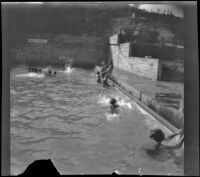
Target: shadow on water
165, 154
169, 99
160, 155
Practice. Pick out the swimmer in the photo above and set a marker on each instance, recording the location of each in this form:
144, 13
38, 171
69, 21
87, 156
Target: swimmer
113, 106
35, 70
51, 73
48, 71
98, 77
68, 64
158, 136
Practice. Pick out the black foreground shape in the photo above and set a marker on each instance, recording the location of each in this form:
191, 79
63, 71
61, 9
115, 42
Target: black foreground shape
41, 168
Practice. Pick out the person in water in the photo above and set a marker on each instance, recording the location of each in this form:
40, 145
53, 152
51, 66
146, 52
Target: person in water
35, 70
48, 71
158, 136
113, 106
51, 73
98, 77
68, 64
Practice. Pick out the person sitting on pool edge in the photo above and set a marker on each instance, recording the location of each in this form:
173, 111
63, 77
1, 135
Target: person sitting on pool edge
105, 81
158, 136
113, 106
107, 70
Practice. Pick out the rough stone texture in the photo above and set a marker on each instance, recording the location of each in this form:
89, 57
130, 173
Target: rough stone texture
141, 66
174, 65
155, 69
114, 39
172, 71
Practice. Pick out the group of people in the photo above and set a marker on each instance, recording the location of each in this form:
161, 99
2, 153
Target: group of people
104, 73
48, 71
157, 135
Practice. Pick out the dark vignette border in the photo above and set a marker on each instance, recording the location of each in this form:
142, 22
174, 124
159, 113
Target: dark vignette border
191, 90
5, 99
191, 87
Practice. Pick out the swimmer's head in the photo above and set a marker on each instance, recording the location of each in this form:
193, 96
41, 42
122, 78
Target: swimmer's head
157, 135
54, 72
113, 101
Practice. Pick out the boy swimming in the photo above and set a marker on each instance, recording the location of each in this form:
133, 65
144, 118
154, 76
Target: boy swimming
114, 106
158, 136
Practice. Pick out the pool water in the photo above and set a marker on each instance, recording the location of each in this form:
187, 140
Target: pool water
66, 118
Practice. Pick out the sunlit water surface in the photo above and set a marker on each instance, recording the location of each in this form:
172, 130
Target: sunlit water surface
66, 118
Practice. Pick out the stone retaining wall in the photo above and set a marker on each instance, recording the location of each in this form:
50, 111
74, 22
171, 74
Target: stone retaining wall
152, 68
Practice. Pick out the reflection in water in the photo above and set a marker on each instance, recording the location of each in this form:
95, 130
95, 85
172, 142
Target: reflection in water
65, 118
68, 70
33, 75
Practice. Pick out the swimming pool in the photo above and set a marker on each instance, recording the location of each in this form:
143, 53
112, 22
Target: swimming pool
66, 118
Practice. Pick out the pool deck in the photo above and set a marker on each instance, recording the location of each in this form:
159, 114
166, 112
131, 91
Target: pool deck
163, 98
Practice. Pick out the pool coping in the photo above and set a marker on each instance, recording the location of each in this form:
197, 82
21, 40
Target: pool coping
171, 119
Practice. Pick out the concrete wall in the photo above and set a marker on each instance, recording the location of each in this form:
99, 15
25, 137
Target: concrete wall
161, 51
114, 39
172, 71
152, 68
84, 50
173, 65
146, 67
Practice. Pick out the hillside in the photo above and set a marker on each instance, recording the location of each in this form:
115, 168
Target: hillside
148, 27
99, 19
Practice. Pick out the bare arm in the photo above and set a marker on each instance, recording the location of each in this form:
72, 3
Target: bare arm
180, 132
